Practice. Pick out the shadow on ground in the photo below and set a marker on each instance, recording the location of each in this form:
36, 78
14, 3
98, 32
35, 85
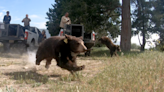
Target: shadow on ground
29, 77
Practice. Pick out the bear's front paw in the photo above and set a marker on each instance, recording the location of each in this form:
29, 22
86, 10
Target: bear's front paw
82, 67
37, 63
79, 68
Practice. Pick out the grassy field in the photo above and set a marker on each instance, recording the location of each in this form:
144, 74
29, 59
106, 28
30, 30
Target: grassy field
130, 72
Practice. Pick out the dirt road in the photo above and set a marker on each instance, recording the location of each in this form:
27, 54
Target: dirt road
19, 73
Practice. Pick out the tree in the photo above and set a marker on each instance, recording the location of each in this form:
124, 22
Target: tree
126, 26
158, 20
100, 16
142, 20
54, 16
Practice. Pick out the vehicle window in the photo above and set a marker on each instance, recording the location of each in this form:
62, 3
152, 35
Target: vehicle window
21, 31
21, 28
12, 31
77, 31
38, 31
32, 29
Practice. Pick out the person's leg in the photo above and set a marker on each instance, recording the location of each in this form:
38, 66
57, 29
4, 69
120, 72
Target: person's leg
6, 26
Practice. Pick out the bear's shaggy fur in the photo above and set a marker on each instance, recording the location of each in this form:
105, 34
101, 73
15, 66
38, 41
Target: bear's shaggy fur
113, 48
64, 49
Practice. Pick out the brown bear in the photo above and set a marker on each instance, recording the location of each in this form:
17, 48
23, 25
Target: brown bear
62, 48
113, 48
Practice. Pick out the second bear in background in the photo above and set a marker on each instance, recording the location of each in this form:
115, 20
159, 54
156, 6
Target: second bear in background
113, 48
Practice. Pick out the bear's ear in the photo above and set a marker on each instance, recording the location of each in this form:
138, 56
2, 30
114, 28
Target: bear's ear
103, 38
68, 37
100, 39
81, 37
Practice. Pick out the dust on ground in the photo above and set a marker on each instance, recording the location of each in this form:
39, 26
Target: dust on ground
16, 68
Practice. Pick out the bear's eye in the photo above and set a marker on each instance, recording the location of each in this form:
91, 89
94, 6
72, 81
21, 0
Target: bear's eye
77, 43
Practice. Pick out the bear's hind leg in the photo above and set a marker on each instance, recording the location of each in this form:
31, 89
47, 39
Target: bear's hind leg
48, 62
111, 53
115, 53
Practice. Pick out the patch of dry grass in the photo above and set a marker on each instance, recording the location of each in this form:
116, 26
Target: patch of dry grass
132, 72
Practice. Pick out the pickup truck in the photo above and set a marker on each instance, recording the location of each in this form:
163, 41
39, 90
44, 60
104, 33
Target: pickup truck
14, 35
78, 30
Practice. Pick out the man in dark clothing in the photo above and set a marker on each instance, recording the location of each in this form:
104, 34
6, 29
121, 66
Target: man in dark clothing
7, 19
26, 21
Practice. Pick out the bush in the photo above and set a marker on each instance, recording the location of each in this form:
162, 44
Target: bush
135, 46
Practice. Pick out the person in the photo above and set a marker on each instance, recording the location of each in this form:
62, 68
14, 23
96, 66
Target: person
65, 20
26, 21
44, 34
7, 19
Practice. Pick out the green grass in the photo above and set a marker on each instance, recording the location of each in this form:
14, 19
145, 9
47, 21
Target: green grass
8, 89
133, 72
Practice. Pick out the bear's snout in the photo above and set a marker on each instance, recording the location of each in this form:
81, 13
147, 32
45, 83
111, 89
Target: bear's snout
37, 63
85, 49
81, 47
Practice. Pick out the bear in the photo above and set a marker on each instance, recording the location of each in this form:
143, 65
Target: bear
113, 48
62, 48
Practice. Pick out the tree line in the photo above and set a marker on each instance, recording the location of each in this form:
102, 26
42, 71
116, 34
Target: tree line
144, 17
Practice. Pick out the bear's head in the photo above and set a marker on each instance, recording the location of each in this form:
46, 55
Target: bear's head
118, 48
76, 44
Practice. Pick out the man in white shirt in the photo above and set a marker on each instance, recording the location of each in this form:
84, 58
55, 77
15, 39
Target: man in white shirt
65, 20
26, 21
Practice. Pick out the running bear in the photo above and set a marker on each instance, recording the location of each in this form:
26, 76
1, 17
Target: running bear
64, 49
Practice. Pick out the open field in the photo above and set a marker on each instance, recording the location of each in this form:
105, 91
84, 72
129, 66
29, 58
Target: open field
130, 72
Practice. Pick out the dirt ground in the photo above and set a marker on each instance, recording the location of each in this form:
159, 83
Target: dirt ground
20, 73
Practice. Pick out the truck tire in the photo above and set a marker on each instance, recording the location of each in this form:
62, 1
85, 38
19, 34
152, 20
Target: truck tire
32, 46
6, 47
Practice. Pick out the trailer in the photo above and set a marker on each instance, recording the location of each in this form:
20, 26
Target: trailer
78, 31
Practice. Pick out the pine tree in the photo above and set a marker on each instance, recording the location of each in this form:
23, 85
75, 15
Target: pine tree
101, 16
142, 20
158, 20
